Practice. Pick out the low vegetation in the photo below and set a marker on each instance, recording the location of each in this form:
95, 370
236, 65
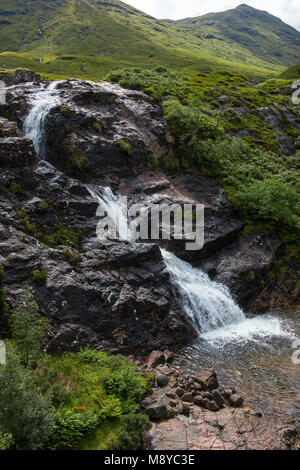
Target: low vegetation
261, 181
84, 400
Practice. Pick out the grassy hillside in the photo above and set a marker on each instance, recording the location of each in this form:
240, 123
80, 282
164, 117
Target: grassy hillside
245, 28
292, 73
86, 38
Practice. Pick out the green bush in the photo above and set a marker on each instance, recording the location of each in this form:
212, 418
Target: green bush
26, 415
63, 236
98, 127
78, 161
1, 272
39, 277
157, 82
272, 200
71, 426
28, 328
17, 188
131, 431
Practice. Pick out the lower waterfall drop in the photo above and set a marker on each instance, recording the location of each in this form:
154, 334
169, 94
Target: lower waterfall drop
208, 304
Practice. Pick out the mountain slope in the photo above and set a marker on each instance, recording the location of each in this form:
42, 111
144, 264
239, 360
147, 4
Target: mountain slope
100, 35
264, 35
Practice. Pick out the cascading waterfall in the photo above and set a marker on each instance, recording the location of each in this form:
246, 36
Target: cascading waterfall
34, 126
115, 211
208, 304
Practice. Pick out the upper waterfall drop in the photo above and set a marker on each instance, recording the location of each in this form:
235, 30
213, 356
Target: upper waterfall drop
34, 125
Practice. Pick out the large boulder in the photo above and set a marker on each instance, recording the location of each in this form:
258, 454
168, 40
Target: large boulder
109, 295
17, 152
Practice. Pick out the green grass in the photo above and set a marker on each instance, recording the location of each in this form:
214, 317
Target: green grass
292, 73
87, 39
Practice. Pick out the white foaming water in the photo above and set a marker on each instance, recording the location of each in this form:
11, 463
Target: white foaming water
114, 209
34, 126
209, 305
256, 329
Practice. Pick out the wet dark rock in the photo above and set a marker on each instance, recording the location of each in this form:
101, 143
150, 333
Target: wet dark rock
162, 381
16, 152
216, 396
19, 76
147, 402
188, 397
173, 403
211, 405
171, 395
186, 410
119, 298
198, 400
236, 400
227, 392
171, 412
180, 392
156, 411
207, 379
9, 128
207, 395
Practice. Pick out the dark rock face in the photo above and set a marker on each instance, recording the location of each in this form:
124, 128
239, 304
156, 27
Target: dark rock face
17, 152
19, 76
97, 129
118, 297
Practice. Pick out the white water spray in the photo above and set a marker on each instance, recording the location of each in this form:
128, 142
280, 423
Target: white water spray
34, 126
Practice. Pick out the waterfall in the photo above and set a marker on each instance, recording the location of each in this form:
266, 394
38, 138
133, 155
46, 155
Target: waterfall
208, 304
110, 203
34, 126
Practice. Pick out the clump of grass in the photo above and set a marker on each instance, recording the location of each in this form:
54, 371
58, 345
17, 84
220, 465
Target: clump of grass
78, 161
91, 389
1, 272
126, 147
17, 188
42, 206
63, 236
39, 277
29, 227
152, 161
98, 127
65, 110
73, 258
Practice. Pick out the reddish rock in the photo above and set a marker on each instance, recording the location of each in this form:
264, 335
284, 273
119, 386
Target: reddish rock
207, 379
154, 359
